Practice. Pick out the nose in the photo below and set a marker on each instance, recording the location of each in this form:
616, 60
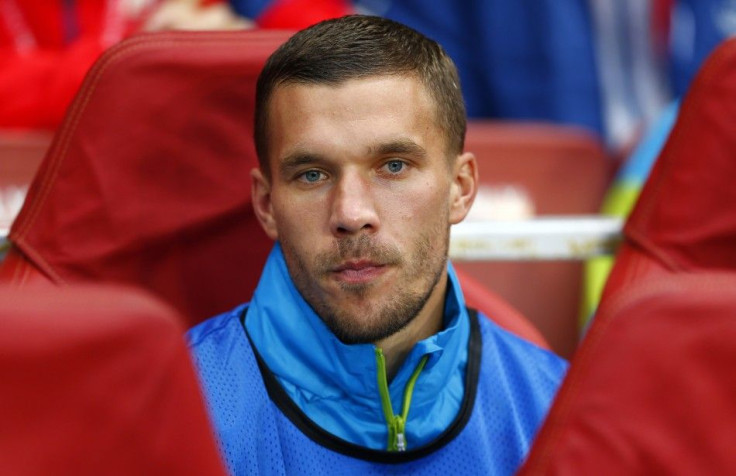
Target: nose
353, 206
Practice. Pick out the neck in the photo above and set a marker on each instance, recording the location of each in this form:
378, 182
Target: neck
427, 323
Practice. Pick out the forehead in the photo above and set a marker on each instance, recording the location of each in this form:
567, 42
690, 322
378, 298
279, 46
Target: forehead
357, 112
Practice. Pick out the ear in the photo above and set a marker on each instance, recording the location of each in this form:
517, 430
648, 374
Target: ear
464, 186
260, 191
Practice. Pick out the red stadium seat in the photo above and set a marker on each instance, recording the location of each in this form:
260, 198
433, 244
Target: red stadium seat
147, 182
652, 388
498, 309
560, 170
685, 217
98, 380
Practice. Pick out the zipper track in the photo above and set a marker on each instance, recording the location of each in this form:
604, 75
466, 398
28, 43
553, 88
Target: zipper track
396, 424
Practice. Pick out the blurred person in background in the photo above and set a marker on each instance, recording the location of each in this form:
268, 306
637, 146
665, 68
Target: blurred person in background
611, 66
224, 14
647, 54
288, 14
530, 60
47, 46
695, 28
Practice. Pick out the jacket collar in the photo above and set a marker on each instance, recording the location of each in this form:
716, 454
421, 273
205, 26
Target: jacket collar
325, 377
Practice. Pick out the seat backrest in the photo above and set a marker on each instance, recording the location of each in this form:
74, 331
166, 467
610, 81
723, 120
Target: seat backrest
652, 389
685, 217
538, 169
147, 181
98, 380
478, 296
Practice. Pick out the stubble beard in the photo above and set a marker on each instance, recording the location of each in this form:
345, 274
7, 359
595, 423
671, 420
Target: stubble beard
379, 316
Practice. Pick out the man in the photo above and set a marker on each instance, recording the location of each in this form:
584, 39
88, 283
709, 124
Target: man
357, 354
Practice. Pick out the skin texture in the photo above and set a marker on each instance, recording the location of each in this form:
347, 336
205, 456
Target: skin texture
361, 197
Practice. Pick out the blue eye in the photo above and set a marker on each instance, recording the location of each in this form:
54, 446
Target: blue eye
312, 176
395, 166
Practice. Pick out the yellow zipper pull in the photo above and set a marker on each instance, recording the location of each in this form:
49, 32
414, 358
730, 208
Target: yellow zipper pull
396, 424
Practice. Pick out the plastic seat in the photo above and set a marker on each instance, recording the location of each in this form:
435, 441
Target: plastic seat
652, 389
548, 169
498, 309
98, 380
147, 181
685, 217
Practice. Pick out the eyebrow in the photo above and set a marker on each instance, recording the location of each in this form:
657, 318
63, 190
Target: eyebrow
399, 146
298, 159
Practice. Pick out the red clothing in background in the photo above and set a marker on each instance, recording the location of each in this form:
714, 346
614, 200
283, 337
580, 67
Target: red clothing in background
298, 14
46, 47
287, 14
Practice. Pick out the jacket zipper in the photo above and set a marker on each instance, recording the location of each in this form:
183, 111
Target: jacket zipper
396, 424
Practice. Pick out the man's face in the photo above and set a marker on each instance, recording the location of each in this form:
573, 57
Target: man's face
361, 197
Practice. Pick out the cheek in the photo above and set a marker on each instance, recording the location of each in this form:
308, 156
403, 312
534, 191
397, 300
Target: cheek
425, 204
298, 221
431, 196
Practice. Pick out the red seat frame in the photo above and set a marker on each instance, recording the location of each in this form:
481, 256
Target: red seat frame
98, 380
652, 388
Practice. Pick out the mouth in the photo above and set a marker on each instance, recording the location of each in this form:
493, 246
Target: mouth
358, 271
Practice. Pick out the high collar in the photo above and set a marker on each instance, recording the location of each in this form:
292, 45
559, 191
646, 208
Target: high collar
336, 384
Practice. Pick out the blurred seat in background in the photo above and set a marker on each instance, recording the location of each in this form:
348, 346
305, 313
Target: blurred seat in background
529, 170
98, 380
652, 387
148, 179
479, 296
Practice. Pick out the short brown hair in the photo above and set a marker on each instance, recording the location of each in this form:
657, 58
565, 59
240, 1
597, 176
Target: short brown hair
359, 46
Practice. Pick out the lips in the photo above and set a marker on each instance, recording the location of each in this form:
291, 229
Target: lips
358, 271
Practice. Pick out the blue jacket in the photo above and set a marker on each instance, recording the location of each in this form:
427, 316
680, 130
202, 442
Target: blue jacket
285, 395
